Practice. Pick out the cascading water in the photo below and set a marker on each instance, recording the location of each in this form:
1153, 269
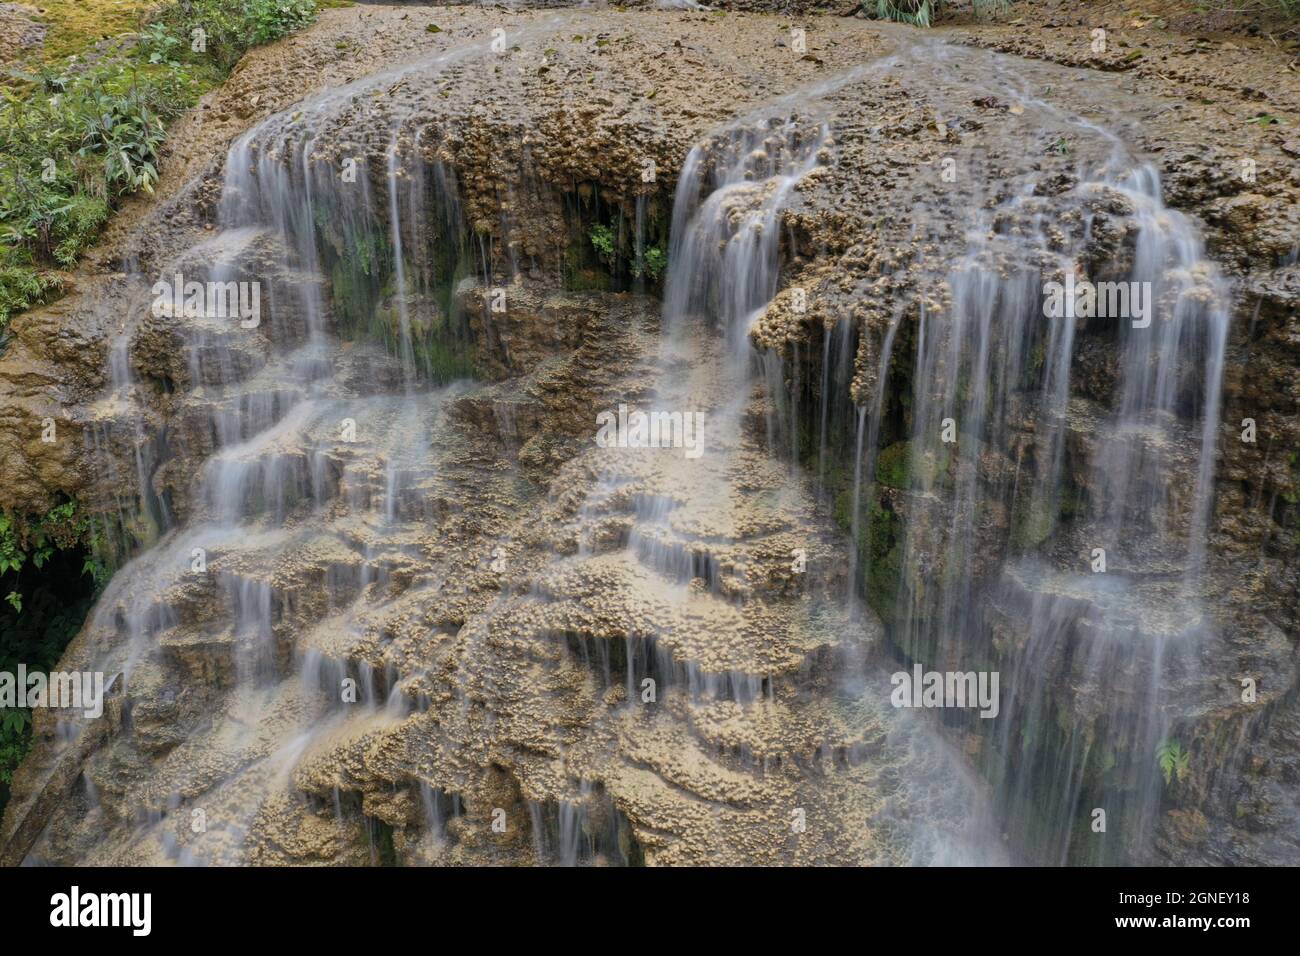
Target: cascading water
1097, 600
725, 268
300, 425
302, 523
404, 650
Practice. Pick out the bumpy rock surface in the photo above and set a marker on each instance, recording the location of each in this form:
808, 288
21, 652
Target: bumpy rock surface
499, 589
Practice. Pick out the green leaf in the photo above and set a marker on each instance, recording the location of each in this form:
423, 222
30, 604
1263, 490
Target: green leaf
14, 720
1174, 762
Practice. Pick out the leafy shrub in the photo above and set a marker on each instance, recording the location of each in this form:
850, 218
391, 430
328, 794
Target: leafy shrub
44, 604
232, 27
78, 137
61, 528
653, 263
602, 240
73, 144
14, 726
22, 284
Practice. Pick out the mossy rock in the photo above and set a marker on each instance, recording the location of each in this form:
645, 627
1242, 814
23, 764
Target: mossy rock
881, 543
77, 25
883, 583
1037, 519
587, 280
898, 467
1072, 502
893, 465
1033, 526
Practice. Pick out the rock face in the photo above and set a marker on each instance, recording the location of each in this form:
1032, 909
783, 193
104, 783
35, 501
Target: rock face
964, 560
20, 30
393, 603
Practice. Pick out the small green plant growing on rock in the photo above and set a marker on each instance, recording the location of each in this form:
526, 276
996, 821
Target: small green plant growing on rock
1174, 761
602, 240
12, 556
919, 13
922, 13
652, 264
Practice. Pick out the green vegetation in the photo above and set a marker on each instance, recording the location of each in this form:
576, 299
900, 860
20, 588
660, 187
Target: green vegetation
602, 240
75, 25
233, 27
1032, 525
50, 572
359, 257
893, 465
80, 134
922, 13
580, 276
1174, 762
897, 467
919, 13
652, 263
60, 529
1036, 516
882, 543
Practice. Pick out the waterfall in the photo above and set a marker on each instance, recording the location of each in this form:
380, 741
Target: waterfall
298, 424
1097, 596
597, 578
294, 578
744, 179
